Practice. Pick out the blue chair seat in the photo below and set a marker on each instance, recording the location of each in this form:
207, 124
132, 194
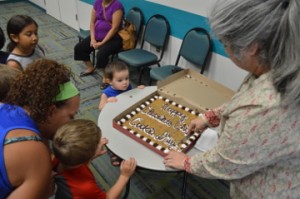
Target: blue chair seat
160, 73
83, 34
138, 57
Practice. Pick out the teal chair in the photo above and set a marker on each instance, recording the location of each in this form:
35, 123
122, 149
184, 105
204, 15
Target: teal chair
83, 34
156, 33
195, 48
135, 16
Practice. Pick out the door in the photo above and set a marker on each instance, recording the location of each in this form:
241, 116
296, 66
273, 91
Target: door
40, 3
68, 13
52, 8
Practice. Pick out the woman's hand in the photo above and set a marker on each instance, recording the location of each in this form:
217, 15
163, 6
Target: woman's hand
97, 45
175, 160
100, 150
197, 125
93, 42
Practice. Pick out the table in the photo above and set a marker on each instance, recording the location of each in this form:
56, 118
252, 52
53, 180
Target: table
124, 146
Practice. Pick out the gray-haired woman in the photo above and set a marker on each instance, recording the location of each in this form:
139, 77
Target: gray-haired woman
258, 149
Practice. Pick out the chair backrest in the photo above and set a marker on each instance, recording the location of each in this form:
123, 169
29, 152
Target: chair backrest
136, 17
156, 33
196, 47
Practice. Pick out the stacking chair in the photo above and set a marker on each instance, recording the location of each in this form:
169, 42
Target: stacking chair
156, 33
135, 16
195, 48
83, 34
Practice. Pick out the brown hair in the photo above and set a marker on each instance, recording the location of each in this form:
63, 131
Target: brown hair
37, 87
115, 66
76, 142
7, 76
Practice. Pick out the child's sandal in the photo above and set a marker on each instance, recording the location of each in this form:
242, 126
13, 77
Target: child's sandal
115, 161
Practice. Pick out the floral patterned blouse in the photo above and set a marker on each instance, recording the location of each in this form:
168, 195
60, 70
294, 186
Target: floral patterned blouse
258, 149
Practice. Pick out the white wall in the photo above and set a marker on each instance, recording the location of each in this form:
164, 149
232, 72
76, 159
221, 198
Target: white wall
199, 7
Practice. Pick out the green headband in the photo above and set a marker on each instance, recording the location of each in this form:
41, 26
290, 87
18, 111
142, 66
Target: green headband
67, 90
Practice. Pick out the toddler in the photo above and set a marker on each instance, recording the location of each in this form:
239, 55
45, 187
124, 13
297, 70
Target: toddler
116, 74
22, 31
7, 76
74, 145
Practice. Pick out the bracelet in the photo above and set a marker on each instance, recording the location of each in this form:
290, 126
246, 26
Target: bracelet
187, 164
213, 119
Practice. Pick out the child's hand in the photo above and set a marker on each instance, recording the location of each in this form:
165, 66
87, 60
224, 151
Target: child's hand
112, 99
100, 150
141, 87
127, 167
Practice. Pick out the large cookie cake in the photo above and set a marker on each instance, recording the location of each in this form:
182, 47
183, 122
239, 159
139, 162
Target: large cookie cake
160, 124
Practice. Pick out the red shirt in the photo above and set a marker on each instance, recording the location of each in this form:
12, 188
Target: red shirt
79, 183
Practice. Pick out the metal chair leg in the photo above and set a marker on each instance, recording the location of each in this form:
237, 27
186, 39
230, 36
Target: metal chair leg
184, 183
150, 81
94, 57
141, 74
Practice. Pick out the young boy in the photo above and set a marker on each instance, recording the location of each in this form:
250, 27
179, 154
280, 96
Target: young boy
7, 76
117, 75
74, 145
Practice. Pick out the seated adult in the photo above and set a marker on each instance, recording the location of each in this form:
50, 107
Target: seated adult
106, 21
40, 100
3, 55
258, 147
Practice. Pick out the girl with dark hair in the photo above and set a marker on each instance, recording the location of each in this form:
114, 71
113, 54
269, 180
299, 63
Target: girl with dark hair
22, 31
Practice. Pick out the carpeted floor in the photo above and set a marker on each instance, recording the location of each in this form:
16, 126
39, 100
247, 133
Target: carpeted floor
58, 41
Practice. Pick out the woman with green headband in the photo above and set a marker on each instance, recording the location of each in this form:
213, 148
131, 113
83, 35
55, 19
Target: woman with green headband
38, 103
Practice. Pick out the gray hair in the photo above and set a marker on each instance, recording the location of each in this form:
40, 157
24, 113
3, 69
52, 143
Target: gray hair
274, 26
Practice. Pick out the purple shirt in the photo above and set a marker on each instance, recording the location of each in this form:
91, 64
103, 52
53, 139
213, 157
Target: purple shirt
102, 26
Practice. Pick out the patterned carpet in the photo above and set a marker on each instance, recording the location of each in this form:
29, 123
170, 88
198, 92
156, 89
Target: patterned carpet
58, 41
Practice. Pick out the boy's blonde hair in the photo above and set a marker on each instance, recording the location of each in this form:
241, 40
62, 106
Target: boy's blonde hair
113, 67
76, 142
7, 76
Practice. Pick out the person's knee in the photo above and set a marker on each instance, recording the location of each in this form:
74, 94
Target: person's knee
77, 48
102, 54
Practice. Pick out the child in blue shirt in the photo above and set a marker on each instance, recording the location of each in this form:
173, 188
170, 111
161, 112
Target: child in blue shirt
117, 75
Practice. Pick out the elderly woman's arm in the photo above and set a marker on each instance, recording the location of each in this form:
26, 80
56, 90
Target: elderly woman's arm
210, 118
